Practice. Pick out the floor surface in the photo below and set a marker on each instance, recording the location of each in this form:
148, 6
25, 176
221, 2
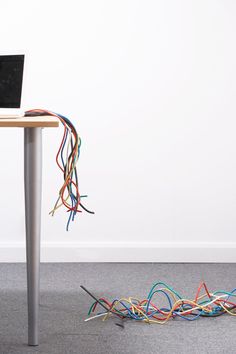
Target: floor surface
64, 306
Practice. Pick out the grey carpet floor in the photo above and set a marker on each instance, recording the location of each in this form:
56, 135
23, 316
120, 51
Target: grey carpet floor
63, 306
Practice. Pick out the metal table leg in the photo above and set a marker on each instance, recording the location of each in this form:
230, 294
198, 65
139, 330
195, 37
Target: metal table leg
33, 181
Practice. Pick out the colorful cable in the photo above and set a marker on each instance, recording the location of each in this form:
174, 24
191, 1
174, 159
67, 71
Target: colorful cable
206, 305
66, 159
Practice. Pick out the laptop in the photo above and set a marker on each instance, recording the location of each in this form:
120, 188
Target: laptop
11, 80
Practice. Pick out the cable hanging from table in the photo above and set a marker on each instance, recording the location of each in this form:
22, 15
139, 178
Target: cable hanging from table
66, 159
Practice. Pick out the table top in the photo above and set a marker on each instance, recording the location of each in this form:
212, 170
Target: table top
30, 122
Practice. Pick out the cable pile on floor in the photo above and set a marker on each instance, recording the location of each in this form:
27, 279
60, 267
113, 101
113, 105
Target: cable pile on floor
66, 159
209, 304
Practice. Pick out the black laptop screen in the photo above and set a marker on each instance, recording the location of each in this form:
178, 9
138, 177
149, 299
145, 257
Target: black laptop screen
11, 76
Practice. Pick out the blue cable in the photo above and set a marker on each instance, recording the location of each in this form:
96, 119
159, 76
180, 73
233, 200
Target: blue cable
157, 291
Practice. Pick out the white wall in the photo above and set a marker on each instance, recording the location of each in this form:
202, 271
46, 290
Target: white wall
151, 87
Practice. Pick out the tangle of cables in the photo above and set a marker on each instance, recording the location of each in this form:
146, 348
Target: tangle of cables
149, 310
66, 159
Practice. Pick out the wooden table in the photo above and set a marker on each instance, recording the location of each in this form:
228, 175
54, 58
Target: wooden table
33, 186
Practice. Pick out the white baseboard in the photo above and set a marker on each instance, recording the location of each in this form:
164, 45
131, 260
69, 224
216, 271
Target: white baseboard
124, 252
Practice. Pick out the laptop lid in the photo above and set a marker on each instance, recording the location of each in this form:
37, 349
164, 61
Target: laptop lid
11, 79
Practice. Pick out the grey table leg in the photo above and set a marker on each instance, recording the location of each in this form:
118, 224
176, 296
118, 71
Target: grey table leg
33, 182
